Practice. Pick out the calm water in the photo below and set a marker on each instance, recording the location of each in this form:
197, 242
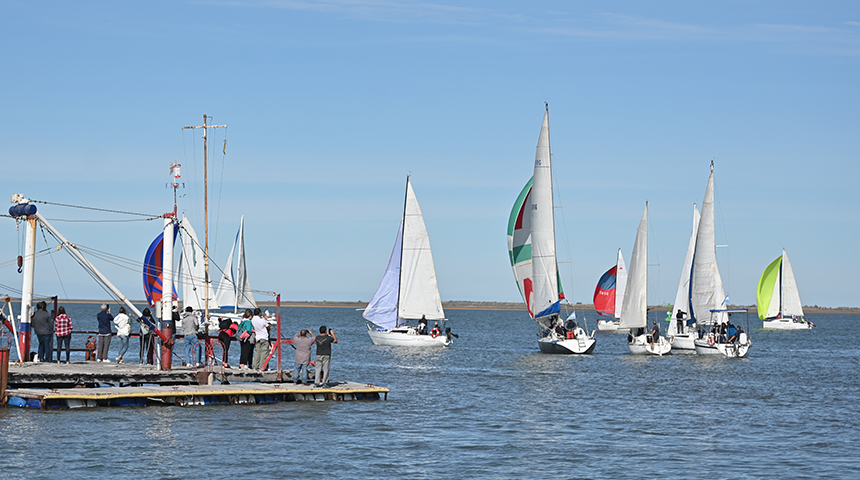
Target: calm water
490, 407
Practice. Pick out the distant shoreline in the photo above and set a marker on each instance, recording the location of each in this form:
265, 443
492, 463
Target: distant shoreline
470, 305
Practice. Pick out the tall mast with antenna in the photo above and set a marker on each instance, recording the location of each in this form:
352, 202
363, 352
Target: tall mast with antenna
207, 282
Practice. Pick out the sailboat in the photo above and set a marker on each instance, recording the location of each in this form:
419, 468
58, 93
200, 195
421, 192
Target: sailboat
777, 297
634, 309
681, 330
707, 297
531, 247
408, 290
196, 293
609, 294
230, 294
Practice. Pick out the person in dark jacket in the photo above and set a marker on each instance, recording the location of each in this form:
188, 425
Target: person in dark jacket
226, 334
43, 327
105, 320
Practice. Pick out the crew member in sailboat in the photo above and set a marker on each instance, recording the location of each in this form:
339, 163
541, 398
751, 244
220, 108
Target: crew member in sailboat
655, 334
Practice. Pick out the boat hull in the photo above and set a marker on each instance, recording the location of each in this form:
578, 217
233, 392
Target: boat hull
684, 342
567, 346
641, 346
730, 350
786, 324
406, 339
608, 326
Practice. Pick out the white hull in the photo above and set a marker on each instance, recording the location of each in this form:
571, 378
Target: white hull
640, 346
684, 341
580, 345
405, 336
706, 346
787, 324
609, 326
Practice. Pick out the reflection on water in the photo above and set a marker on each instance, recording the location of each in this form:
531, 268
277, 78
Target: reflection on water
491, 406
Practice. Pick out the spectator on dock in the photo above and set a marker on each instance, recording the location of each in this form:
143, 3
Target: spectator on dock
303, 341
261, 340
190, 327
123, 331
147, 338
246, 340
43, 327
105, 319
63, 329
225, 334
323, 358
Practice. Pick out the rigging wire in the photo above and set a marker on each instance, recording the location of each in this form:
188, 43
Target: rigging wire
59, 279
94, 208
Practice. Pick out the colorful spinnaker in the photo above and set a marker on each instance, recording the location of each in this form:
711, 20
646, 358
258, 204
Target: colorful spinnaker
609, 292
152, 269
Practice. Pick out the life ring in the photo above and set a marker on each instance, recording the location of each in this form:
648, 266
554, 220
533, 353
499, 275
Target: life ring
434, 333
710, 340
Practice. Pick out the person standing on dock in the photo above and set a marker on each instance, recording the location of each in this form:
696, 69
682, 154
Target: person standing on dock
246, 346
63, 329
123, 331
43, 327
189, 329
303, 341
261, 345
323, 359
105, 319
147, 338
225, 334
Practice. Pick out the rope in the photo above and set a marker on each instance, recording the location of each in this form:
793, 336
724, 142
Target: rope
96, 209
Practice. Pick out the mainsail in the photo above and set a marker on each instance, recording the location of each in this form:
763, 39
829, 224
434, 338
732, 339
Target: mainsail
634, 310
704, 283
544, 266
408, 289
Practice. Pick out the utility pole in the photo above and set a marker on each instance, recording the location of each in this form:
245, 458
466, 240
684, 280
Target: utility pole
207, 282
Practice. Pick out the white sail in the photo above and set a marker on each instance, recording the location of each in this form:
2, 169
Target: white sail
634, 310
705, 260
195, 292
544, 266
225, 293
620, 283
791, 305
244, 296
382, 309
419, 293
720, 298
682, 297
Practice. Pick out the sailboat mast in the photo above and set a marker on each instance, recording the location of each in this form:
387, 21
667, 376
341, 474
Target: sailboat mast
781, 290
551, 197
400, 271
206, 281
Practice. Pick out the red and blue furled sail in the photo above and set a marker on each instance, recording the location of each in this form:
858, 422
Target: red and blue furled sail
152, 270
604, 293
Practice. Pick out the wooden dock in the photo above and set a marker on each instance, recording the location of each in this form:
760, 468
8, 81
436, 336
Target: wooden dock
91, 384
188, 395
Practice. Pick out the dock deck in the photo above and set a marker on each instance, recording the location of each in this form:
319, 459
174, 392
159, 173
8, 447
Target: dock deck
89, 384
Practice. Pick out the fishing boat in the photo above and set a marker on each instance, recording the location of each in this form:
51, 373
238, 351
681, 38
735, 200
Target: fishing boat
609, 295
707, 296
682, 327
408, 290
531, 248
777, 297
634, 309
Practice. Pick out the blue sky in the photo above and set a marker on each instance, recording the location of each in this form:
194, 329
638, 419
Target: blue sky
329, 105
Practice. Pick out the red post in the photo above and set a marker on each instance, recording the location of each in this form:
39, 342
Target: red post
278, 341
4, 373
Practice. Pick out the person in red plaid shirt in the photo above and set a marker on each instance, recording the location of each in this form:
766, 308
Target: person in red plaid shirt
63, 328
